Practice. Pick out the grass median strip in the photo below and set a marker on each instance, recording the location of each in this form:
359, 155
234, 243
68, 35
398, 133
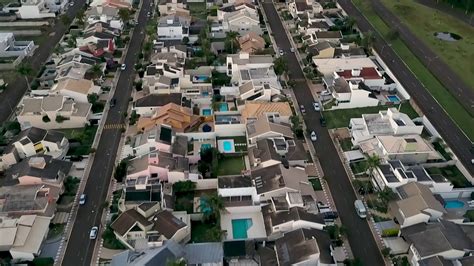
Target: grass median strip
455, 110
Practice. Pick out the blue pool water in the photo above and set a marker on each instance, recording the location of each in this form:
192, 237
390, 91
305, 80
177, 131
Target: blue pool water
223, 107
453, 204
227, 144
200, 78
206, 112
205, 146
393, 98
240, 227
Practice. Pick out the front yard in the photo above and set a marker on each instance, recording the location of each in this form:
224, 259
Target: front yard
200, 232
80, 139
451, 173
230, 165
359, 167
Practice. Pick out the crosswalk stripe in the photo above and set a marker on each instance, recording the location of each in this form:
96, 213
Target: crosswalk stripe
114, 126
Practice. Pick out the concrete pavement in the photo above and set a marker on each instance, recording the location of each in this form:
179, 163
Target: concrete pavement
450, 132
80, 248
337, 179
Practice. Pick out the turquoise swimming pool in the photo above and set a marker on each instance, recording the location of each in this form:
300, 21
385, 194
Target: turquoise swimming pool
223, 107
206, 112
453, 204
240, 227
227, 145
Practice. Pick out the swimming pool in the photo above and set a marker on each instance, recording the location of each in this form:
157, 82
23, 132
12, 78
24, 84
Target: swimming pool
206, 112
453, 204
393, 98
205, 146
223, 107
240, 227
227, 146
200, 78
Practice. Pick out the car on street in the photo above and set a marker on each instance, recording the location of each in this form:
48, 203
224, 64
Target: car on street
316, 107
360, 209
292, 49
82, 199
313, 136
148, 14
94, 232
123, 67
71, 3
282, 52
322, 121
303, 111
113, 102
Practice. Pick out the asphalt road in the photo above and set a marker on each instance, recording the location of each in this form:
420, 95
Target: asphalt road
14, 92
80, 248
451, 80
360, 237
450, 132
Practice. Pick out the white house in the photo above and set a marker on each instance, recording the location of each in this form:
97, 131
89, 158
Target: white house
417, 205
244, 61
146, 106
77, 89
53, 112
242, 21
350, 94
33, 141
34, 9
9, 47
394, 174
389, 122
173, 27
264, 128
169, 7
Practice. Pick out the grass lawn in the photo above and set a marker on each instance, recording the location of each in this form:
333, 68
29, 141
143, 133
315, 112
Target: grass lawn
424, 22
341, 118
199, 232
346, 144
198, 10
453, 174
358, 167
470, 215
316, 183
184, 201
80, 139
456, 111
440, 148
230, 166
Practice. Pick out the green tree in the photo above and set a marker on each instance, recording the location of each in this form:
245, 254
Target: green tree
80, 17
211, 207
368, 40
386, 252
124, 14
26, 71
280, 65
96, 71
65, 19
185, 41
92, 98
121, 170
231, 44
176, 262
215, 234
203, 168
184, 186
296, 126
373, 161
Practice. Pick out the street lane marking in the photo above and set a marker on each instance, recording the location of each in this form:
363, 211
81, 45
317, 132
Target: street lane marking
114, 126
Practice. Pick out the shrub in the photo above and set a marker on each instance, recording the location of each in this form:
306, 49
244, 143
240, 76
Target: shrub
60, 118
46, 119
390, 232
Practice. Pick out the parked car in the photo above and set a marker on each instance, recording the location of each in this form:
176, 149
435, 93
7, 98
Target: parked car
303, 111
123, 67
360, 209
82, 199
313, 136
282, 52
322, 121
113, 102
94, 232
71, 3
292, 49
316, 106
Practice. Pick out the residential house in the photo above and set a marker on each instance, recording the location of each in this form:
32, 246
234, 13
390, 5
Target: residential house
277, 180
310, 27
244, 61
264, 128
162, 78
29, 199
196, 83
321, 50
170, 7
304, 7
409, 149
234, 8
104, 12
56, 6
173, 27
142, 193
37, 170
444, 239
48, 77
349, 50
23, 237
277, 112
138, 230
274, 151
304, 247
229, 123
385, 123
258, 84
417, 205
9, 47
99, 34
34, 9
160, 165
251, 43
350, 94
178, 117
329, 36
75, 66
53, 112
242, 22
33, 141
146, 106
112, 3
76, 89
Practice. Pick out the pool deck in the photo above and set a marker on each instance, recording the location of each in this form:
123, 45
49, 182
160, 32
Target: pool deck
458, 213
257, 230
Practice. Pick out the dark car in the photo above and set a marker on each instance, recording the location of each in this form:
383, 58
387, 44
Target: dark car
113, 102
322, 121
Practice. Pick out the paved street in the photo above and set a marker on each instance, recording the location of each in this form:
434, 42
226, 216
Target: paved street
12, 95
360, 237
80, 248
451, 80
450, 132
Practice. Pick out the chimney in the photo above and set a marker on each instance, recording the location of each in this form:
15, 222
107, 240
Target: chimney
355, 72
37, 162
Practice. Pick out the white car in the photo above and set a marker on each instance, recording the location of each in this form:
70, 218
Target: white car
316, 107
123, 67
281, 52
82, 199
71, 3
94, 232
292, 49
313, 136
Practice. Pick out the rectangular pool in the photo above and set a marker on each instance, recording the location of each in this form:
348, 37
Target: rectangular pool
453, 204
227, 145
393, 98
240, 228
223, 107
206, 112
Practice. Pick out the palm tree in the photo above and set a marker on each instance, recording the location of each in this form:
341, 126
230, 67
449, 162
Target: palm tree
373, 161
80, 17
211, 206
25, 70
368, 40
96, 70
231, 41
124, 15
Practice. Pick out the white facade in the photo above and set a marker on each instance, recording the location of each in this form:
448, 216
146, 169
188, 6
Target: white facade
34, 9
172, 28
354, 97
11, 48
